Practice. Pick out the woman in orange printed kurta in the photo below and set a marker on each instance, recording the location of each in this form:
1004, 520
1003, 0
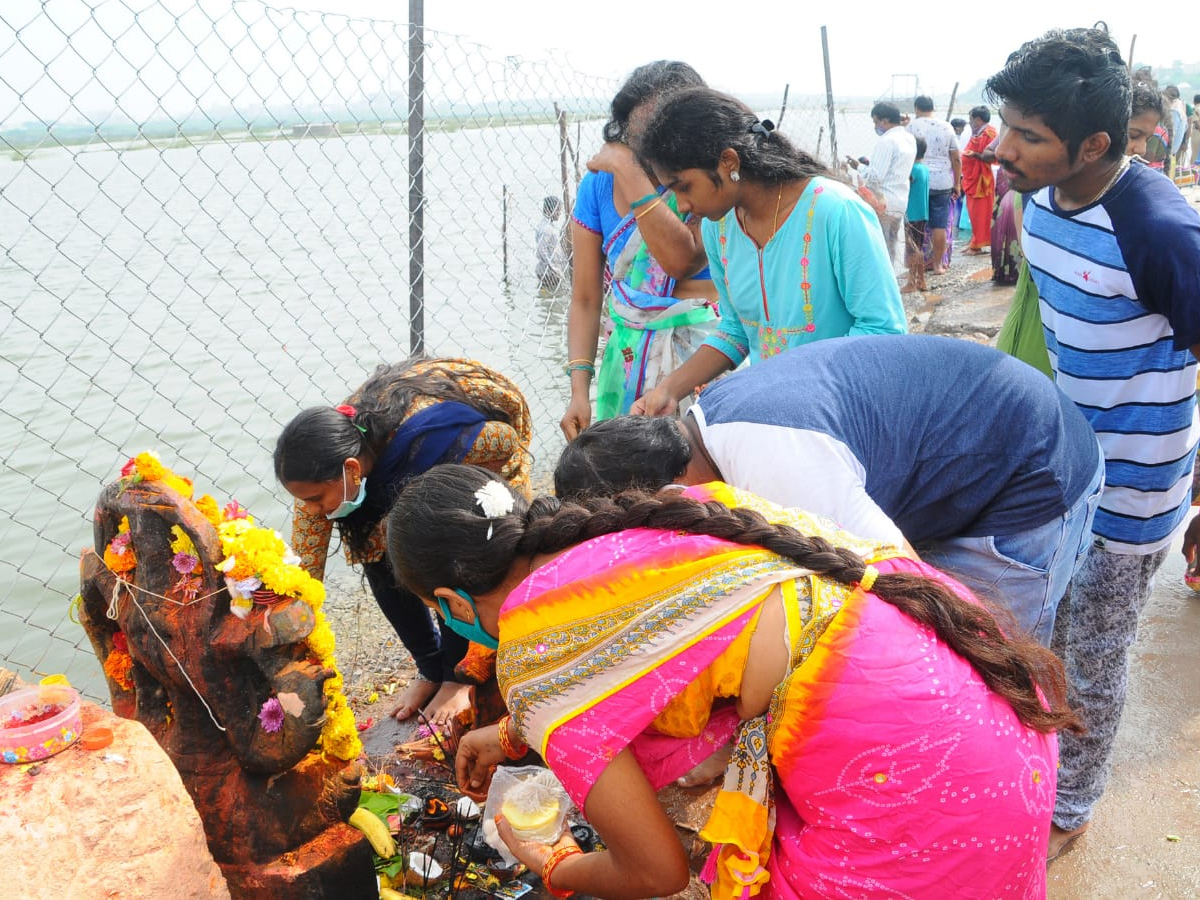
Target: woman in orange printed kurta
345, 466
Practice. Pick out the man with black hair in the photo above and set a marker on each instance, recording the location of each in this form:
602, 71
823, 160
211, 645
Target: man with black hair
886, 175
945, 173
1115, 253
961, 135
994, 484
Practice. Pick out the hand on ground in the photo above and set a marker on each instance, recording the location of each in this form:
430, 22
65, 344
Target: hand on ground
479, 752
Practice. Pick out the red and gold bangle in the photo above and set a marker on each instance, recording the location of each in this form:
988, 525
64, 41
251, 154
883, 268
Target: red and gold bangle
552, 862
511, 750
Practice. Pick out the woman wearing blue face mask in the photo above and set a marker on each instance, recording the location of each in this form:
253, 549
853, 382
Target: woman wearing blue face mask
345, 465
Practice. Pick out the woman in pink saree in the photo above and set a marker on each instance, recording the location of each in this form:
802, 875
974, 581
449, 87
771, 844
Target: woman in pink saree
888, 738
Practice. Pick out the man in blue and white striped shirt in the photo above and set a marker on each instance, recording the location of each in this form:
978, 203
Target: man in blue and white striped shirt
1114, 250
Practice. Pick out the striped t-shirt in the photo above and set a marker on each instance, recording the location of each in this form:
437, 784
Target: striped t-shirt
1119, 283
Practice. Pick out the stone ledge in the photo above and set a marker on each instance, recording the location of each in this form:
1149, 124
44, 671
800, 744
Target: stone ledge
111, 823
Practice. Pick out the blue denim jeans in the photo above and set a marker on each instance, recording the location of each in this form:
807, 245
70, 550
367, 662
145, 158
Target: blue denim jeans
1026, 573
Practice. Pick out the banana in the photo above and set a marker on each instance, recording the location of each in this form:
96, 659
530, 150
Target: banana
389, 894
376, 832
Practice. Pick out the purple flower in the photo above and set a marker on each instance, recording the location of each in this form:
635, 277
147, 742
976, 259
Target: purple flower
184, 562
271, 715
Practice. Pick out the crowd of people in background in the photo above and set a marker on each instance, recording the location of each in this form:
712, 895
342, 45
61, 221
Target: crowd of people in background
954, 184
953, 188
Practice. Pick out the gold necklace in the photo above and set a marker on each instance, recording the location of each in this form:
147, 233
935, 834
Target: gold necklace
775, 224
1121, 167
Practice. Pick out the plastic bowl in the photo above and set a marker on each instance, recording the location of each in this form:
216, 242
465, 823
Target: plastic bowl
38, 722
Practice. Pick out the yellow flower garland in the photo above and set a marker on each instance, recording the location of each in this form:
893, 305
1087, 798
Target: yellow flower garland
256, 556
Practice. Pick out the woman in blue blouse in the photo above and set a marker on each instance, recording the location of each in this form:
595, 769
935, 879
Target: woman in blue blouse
631, 243
795, 255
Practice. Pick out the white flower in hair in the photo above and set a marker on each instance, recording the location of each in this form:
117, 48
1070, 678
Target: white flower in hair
494, 499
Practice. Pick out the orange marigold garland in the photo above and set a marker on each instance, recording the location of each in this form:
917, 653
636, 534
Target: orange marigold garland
257, 562
118, 555
119, 663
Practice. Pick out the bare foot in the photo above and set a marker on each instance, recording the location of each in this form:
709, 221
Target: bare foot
451, 700
708, 771
910, 288
937, 271
414, 696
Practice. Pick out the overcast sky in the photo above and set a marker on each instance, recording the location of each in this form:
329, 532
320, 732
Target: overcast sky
758, 47
144, 58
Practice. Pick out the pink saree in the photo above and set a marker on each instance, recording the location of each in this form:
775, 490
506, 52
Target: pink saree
884, 767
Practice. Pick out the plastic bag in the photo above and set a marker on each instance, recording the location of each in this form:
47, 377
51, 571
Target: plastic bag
532, 800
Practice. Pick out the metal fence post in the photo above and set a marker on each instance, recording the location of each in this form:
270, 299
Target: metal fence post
833, 151
564, 141
416, 176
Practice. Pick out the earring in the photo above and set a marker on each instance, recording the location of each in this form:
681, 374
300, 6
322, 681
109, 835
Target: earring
357, 479
734, 176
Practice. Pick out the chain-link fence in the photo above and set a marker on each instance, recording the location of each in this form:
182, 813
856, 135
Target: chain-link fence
204, 213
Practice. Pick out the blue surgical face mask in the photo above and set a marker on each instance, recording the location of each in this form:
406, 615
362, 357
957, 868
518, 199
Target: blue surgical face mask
472, 631
879, 129
347, 505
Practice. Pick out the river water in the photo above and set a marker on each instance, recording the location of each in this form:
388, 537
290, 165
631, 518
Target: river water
191, 300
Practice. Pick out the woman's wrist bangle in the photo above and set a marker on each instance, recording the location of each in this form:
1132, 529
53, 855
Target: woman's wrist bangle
551, 864
588, 367
642, 212
642, 201
511, 750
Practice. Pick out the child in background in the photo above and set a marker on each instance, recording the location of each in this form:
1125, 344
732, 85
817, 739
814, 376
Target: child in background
915, 218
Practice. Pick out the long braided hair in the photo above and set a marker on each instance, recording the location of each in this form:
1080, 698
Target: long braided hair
438, 536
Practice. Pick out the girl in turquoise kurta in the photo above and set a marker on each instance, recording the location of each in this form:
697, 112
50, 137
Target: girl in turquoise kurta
795, 255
